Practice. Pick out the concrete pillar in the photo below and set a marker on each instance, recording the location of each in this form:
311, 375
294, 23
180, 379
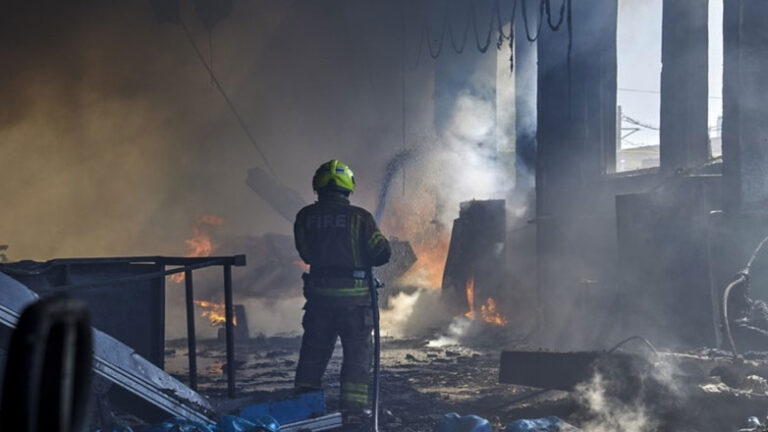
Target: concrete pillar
745, 107
575, 147
576, 105
525, 108
684, 84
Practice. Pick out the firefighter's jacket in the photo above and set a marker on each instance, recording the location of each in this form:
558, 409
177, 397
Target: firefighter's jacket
341, 243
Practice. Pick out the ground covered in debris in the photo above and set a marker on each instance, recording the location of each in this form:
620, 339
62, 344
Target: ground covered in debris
420, 383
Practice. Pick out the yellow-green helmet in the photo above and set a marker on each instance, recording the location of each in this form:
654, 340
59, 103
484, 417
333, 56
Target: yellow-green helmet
335, 175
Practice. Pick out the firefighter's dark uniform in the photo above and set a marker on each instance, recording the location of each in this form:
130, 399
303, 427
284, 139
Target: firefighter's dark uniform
341, 243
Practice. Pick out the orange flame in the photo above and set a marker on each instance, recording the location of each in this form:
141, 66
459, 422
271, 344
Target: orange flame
302, 265
491, 315
488, 311
413, 219
215, 312
200, 244
471, 298
427, 271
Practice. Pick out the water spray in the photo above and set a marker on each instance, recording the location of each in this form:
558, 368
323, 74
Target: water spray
395, 165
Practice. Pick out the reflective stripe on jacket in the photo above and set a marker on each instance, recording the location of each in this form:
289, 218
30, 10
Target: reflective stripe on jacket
337, 240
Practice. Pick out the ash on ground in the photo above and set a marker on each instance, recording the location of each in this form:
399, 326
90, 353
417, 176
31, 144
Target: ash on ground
419, 383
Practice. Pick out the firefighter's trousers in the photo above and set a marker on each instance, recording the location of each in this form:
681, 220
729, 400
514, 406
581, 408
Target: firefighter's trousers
322, 326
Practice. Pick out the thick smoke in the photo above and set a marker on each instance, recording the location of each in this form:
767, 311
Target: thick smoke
115, 142
609, 414
655, 396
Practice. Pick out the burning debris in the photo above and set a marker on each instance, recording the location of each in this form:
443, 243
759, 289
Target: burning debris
474, 267
488, 312
470, 298
200, 244
491, 315
215, 312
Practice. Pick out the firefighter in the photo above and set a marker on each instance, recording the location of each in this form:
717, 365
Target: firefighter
341, 243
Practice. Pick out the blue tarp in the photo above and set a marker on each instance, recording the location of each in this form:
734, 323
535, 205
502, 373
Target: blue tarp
546, 424
237, 424
288, 410
224, 424
453, 422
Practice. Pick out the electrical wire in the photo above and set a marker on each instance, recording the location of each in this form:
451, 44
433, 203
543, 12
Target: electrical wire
555, 27
524, 11
645, 342
680, 172
228, 101
655, 92
460, 48
503, 36
496, 23
636, 122
483, 46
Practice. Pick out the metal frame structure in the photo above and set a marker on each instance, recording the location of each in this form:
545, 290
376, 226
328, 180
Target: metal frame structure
182, 264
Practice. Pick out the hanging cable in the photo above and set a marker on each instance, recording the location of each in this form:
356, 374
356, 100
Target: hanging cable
503, 36
435, 53
460, 48
524, 11
548, 6
496, 23
633, 338
483, 46
228, 101
636, 122
554, 21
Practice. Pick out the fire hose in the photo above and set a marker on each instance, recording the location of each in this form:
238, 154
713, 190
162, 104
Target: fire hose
374, 285
742, 277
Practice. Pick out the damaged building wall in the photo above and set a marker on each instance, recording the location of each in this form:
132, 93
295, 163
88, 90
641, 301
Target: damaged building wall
647, 252
743, 223
586, 254
745, 132
663, 232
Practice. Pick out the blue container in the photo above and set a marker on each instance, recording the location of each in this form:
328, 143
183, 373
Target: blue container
455, 423
237, 424
290, 410
224, 424
181, 425
546, 424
